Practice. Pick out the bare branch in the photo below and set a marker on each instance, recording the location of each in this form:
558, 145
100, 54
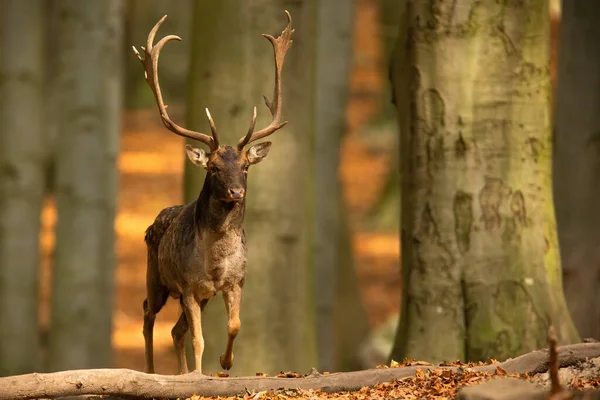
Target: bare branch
553, 361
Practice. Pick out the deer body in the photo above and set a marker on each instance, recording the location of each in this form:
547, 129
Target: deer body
203, 258
198, 249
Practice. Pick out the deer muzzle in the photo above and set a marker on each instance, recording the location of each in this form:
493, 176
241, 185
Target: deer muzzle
236, 194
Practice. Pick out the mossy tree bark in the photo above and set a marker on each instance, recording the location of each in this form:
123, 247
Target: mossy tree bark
88, 105
23, 157
576, 167
480, 254
231, 68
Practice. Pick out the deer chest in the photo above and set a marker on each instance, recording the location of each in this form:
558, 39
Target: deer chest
224, 259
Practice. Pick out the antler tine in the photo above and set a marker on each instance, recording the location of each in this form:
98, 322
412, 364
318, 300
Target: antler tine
280, 47
150, 63
252, 124
153, 31
213, 128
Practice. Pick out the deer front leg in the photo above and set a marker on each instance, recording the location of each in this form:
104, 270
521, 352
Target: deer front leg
232, 298
194, 319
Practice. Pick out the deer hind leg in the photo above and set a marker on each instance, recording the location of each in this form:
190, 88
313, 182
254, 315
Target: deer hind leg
232, 298
157, 297
178, 333
191, 308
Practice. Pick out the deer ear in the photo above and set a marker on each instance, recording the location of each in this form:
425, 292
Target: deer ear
257, 152
197, 156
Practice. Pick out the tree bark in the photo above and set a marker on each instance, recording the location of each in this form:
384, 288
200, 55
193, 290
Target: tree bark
231, 68
87, 85
23, 159
479, 245
128, 383
576, 165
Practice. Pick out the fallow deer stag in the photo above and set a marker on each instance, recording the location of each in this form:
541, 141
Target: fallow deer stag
198, 249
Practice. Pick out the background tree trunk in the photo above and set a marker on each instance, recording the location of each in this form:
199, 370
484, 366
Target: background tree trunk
341, 320
577, 161
231, 68
350, 320
22, 165
479, 245
334, 55
88, 95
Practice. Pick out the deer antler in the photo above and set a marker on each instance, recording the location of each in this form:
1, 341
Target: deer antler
150, 63
280, 47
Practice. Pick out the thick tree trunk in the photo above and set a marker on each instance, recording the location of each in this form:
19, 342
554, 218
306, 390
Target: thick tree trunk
479, 245
88, 120
231, 68
22, 164
577, 165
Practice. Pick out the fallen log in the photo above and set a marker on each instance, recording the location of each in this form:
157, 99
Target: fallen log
129, 383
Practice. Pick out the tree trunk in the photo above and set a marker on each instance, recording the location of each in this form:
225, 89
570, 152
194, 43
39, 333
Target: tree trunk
22, 163
338, 306
350, 320
577, 166
479, 244
231, 68
87, 86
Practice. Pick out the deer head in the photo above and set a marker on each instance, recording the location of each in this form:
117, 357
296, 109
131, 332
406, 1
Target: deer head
226, 166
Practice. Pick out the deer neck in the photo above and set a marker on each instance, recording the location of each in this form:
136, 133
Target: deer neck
215, 215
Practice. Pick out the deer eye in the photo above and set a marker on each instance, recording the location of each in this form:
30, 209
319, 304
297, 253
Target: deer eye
246, 168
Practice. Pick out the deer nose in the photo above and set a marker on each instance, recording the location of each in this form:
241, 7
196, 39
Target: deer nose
236, 193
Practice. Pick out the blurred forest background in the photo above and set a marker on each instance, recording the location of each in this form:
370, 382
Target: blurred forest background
82, 146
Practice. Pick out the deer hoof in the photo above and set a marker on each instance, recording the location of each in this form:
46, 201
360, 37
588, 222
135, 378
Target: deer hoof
226, 364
